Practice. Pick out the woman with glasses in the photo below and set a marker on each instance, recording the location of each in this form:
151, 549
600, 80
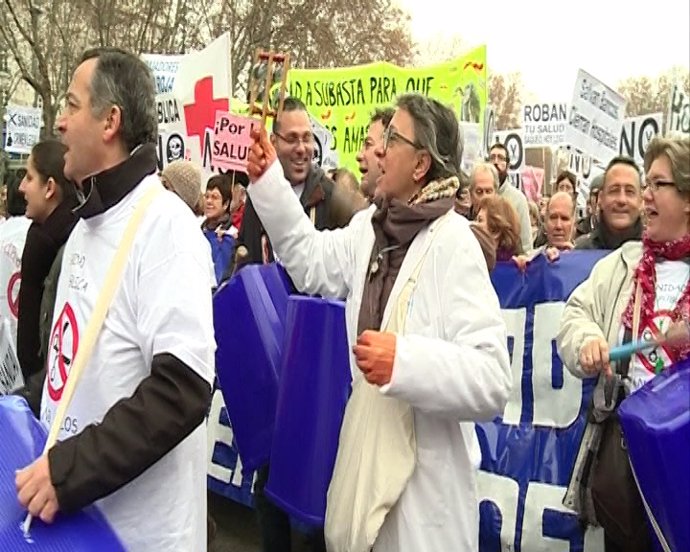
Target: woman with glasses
428, 339
640, 291
217, 226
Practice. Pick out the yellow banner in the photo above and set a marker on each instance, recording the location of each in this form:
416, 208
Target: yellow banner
343, 99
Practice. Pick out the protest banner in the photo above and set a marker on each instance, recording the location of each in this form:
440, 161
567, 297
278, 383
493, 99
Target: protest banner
595, 119
10, 371
489, 130
164, 69
172, 130
342, 99
678, 112
325, 154
473, 147
532, 180
231, 142
513, 141
529, 452
580, 164
636, 134
544, 124
23, 128
585, 169
202, 87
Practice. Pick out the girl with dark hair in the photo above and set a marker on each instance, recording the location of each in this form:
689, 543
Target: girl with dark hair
217, 226
50, 198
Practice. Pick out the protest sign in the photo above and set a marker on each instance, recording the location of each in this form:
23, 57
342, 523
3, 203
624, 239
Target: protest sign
10, 371
23, 128
489, 130
596, 117
544, 124
232, 139
472, 145
202, 86
580, 164
678, 112
325, 154
342, 99
532, 180
636, 134
172, 130
164, 70
513, 141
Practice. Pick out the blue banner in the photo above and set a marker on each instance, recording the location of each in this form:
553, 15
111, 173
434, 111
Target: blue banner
528, 454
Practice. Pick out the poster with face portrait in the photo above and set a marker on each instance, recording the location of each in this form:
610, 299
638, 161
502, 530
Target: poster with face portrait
172, 130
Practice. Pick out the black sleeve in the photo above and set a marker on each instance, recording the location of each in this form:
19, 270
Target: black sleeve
250, 234
135, 433
249, 237
37, 258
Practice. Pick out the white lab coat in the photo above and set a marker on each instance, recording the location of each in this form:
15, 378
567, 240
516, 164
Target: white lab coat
451, 364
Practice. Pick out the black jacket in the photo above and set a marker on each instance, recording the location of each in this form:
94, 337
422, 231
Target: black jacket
42, 244
602, 238
330, 211
584, 226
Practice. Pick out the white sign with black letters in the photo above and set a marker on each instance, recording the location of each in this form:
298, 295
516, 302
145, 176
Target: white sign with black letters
513, 141
544, 124
164, 70
678, 113
596, 117
325, 155
636, 134
172, 130
580, 164
23, 128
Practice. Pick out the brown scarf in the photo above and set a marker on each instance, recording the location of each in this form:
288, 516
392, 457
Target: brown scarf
395, 226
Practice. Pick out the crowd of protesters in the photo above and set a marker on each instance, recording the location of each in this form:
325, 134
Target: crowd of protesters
408, 226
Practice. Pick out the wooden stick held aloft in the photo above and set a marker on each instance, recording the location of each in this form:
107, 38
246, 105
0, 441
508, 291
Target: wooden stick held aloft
272, 62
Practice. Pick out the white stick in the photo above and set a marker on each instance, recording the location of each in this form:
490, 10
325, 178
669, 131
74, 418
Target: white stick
27, 524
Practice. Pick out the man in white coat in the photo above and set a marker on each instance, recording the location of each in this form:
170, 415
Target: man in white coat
407, 258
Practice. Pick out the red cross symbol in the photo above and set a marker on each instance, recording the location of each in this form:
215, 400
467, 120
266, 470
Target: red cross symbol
202, 113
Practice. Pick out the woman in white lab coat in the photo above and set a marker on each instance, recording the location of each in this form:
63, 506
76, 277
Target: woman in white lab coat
426, 330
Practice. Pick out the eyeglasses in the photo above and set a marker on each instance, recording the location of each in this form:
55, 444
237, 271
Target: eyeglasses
497, 157
213, 195
654, 185
390, 136
294, 141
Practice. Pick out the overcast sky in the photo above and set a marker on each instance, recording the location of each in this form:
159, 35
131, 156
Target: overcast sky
547, 41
